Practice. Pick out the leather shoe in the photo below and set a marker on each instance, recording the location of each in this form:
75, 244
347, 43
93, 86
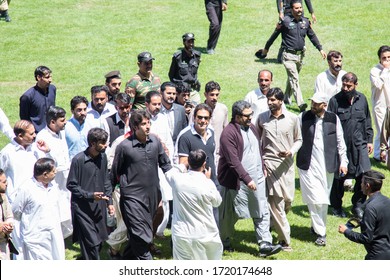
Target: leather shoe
339, 213
267, 249
228, 248
154, 250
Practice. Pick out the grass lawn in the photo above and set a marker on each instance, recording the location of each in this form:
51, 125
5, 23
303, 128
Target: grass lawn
83, 40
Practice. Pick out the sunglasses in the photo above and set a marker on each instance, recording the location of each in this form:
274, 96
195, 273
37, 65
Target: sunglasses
248, 115
203, 117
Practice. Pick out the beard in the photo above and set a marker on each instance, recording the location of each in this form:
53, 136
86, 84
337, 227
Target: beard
337, 68
350, 94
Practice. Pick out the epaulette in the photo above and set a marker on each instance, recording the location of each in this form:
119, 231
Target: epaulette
177, 54
197, 53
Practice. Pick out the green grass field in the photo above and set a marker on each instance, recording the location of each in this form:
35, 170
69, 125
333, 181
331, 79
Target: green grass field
83, 40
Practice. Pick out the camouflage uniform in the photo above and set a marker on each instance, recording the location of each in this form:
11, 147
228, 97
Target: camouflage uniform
142, 85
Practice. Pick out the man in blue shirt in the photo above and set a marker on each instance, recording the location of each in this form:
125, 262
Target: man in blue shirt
35, 101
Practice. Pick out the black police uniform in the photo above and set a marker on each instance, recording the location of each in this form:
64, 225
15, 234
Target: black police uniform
293, 34
184, 68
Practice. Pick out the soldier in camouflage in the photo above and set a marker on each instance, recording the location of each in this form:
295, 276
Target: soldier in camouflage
143, 82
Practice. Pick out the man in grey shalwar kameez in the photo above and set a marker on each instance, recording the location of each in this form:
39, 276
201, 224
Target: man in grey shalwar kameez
240, 173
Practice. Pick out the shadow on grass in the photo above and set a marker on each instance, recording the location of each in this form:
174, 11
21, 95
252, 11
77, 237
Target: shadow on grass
378, 165
266, 61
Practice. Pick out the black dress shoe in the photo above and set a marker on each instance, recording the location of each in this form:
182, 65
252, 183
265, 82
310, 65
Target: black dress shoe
154, 250
339, 213
267, 249
228, 248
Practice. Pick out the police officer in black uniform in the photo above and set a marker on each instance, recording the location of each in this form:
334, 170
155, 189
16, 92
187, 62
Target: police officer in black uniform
184, 66
294, 28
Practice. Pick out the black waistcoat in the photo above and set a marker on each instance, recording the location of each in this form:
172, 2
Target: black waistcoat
332, 161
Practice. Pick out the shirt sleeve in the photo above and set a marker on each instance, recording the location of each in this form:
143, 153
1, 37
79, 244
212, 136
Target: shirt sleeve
341, 147
73, 184
367, 228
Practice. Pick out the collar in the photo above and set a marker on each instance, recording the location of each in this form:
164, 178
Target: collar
149, 78
208, 131
41, 186
19, 147
163, 109
136, 142
41, 91
52, 133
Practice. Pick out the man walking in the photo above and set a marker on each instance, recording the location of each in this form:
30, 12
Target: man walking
323, 153
294, 28
281, 140
214, 12
352, 108
240, 173
91, 191
135, 167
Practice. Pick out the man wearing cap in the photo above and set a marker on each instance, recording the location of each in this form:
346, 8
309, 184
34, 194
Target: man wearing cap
184, 66
214, 12
143, 82
294, 28
318, 160
113, 82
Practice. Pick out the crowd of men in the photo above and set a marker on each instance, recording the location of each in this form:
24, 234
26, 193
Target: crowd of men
128, 164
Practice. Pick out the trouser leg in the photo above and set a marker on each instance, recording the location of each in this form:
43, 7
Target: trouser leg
89, 253
293, 65
214, 15
337, 193
279, 218
227, 215
318, 215
358, 197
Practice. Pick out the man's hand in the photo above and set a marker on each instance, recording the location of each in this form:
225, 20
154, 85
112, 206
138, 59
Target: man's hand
314, 18
285, 154
343, 170
323, 54
370, 148
207, 172
43, 146
252, 185
383, 156
111, 210
224, 7
342, 228
7, 228
100, 196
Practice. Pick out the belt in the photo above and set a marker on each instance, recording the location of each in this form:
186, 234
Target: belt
294, 51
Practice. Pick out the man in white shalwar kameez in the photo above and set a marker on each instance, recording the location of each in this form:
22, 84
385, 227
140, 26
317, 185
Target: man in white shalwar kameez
36, 206
323, 153
17, 159
195, 234
380, 96
54, 135
159, 125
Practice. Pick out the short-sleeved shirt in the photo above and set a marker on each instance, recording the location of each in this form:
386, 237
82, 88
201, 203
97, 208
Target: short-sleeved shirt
189, 140
142, 86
